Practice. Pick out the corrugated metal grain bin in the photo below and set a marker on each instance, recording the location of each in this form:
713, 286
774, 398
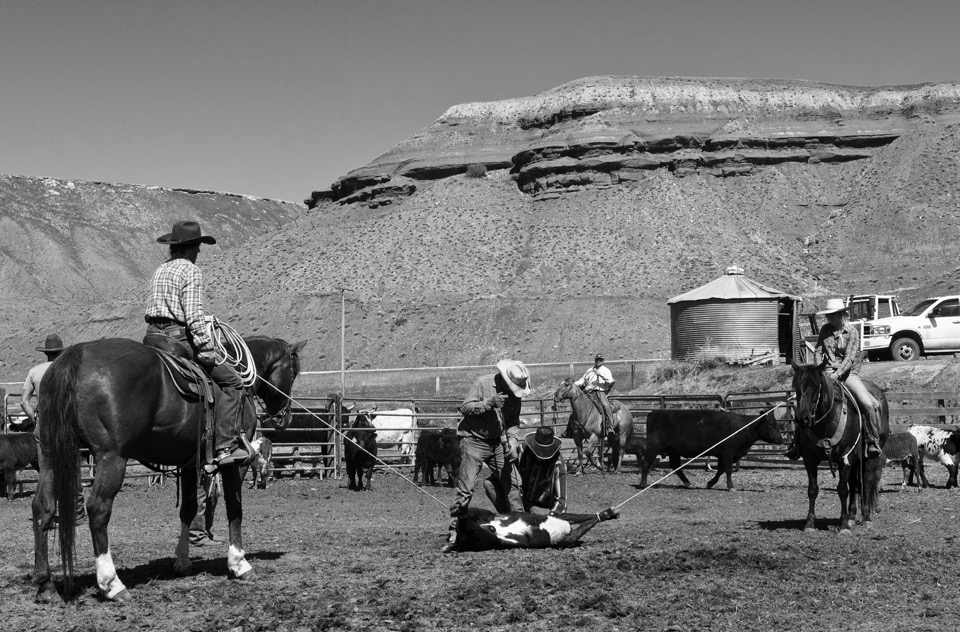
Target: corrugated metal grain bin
735, 318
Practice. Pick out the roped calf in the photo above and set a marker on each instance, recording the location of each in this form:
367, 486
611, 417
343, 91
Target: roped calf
17, 451
903, 447
939, 445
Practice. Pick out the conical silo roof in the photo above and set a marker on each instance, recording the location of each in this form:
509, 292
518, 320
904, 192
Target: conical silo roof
731, 286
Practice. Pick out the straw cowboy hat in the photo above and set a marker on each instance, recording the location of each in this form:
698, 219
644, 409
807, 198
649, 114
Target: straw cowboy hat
833, 305
516, 376
51, 344
185, 233
543, 443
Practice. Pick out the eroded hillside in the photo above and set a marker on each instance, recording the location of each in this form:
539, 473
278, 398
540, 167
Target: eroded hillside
600, 200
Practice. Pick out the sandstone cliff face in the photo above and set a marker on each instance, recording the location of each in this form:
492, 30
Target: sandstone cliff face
604, 131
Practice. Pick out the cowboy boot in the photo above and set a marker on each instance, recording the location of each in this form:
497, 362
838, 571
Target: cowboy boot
873, 441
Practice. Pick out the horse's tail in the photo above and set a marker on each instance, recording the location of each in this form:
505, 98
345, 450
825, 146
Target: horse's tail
60, 443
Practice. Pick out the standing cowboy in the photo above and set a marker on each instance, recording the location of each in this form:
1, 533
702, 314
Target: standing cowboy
52, 346
489, 434
596, 383
175, 311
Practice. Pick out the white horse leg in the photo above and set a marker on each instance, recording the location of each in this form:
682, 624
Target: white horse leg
113, 589
182, 564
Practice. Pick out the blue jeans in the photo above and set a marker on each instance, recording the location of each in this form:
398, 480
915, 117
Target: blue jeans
503, 484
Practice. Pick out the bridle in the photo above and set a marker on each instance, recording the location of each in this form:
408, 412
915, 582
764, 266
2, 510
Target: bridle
281, 418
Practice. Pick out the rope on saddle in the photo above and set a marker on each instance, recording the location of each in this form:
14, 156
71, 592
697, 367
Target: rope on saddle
230, 345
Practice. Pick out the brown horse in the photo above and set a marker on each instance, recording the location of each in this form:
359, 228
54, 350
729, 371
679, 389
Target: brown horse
115, 397
587, 422
824, 433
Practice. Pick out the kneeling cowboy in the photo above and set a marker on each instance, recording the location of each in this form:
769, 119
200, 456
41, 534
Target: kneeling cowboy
175, 310
596, 383
839, 344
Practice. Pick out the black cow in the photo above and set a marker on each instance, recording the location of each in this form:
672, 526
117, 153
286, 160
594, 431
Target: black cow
437, 448
687, 433
360, 453
17, 451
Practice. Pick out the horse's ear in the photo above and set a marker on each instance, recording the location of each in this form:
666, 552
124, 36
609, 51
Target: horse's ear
297, 347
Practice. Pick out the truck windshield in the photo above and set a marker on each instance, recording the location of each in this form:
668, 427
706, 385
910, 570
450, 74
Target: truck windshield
921, 307
860, 310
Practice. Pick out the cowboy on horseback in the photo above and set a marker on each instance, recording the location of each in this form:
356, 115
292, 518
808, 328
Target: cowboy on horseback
838, 346
596, 383
175, 315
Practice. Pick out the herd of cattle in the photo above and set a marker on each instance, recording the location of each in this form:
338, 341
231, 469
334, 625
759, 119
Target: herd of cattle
673, 433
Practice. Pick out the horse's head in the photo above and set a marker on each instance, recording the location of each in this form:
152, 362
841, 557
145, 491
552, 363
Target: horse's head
278, 364
812, 388
564, 391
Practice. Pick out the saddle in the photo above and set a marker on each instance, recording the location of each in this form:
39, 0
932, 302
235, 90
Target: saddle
192, 383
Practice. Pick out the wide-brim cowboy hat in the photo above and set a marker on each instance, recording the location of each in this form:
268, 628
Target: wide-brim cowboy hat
51, 343
543, 443
516, 376
186, 233
834, 305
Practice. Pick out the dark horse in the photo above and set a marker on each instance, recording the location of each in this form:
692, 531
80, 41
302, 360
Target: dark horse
586, 422
820, 402
115, 397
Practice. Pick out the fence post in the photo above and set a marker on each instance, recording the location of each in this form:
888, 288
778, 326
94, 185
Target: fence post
437, 392
633, 376
337, 443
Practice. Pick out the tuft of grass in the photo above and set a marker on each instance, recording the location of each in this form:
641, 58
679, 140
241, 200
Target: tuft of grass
476, 171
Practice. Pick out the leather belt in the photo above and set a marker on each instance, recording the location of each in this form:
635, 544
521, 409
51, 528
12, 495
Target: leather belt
160, 321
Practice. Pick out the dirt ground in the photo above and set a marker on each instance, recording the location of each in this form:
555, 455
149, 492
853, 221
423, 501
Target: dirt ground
678, 559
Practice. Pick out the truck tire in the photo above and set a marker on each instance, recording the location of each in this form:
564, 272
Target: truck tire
905, 350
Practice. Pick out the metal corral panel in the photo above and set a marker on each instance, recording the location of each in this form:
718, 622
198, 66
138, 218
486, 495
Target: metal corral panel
734, 329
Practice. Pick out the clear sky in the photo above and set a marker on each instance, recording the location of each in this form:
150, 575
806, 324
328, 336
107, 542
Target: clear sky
278, 98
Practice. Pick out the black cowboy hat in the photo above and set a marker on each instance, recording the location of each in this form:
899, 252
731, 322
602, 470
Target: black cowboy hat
543, 443
51, 344
599, 356
185, 233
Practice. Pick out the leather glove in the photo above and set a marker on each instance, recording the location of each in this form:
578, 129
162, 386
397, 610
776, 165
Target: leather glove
496, 401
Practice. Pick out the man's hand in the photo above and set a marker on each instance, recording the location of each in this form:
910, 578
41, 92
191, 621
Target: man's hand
207, 358
513, 450
496, 401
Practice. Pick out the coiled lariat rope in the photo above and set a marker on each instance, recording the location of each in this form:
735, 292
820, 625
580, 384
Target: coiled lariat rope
342, 434
692, 459
230, 345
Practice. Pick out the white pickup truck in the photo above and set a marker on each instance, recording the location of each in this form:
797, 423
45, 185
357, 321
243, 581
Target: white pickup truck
931, 327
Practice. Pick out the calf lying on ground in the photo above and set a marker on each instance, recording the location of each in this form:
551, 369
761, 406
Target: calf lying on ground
938, 445
360, 453
689, 432
482, 530
903, 447
17, 451
437, 448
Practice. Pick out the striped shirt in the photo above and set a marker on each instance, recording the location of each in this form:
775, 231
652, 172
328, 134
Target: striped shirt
176, 292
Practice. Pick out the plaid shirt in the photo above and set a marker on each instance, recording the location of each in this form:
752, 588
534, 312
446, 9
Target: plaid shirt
841, 348
176, 292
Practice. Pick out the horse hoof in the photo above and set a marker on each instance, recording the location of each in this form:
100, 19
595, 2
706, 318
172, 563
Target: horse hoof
121, 597
845, 531
809, 529
47, 594
867, 524
244, 577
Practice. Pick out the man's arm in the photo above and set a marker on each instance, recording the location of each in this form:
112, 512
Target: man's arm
475, 403
25, 396
192, 297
